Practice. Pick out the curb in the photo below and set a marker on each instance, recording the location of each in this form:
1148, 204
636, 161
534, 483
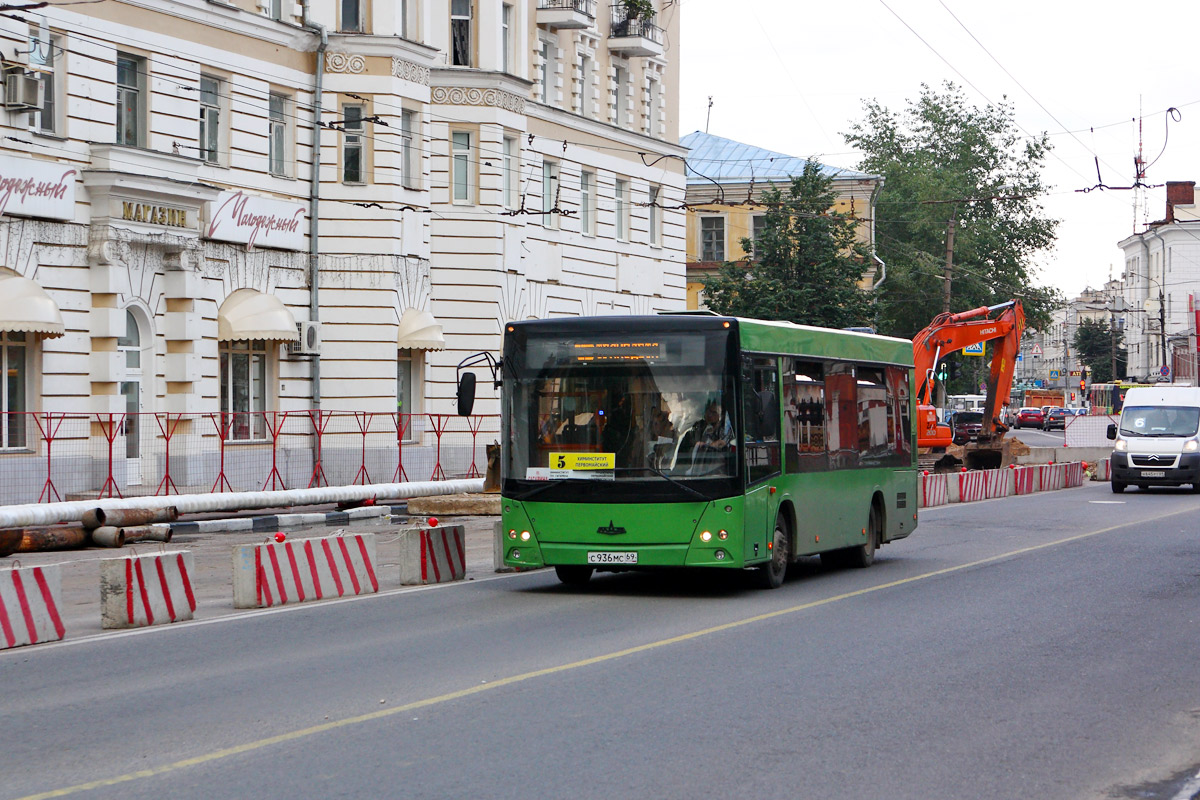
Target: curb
275, 522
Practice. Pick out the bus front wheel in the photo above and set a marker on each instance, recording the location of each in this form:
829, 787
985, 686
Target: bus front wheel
573, 575
772, 573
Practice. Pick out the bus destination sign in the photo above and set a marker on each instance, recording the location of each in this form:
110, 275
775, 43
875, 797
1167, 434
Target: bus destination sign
618, 351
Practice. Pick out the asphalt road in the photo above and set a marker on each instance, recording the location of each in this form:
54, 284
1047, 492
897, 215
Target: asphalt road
1044, 646
1035, 437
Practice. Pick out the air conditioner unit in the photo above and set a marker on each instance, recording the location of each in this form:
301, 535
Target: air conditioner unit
23, 92
310, 340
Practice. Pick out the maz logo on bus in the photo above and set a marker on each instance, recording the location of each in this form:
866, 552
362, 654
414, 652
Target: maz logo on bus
609, 530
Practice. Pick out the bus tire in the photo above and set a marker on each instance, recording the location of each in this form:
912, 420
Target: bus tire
772, 573
863, 556
1118, 487
574, 575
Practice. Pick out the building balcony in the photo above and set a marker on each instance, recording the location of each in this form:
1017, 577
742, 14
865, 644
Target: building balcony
634, 36
566, 14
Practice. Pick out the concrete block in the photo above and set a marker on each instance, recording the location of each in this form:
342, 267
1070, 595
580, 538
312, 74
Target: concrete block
277, 573
137, 591
30, 599
433, 555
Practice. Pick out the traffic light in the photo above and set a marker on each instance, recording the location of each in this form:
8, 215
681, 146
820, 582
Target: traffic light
941, 375
1082, 384
955, 370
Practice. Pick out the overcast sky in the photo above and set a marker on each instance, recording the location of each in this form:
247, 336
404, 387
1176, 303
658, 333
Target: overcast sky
790, 76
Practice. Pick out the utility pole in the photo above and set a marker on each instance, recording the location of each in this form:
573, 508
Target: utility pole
1112, 343
949, 265
1162, 326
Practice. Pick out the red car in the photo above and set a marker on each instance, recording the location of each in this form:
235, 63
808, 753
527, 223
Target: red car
1028, 416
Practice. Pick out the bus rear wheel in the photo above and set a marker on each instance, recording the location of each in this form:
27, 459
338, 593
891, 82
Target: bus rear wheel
772, 573
574, 575
863, 555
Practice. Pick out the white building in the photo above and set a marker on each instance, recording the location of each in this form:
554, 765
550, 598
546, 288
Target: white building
1162, 286
162, 222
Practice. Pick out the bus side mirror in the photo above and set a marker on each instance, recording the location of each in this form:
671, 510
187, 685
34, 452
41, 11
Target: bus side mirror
466, 393
1112, 431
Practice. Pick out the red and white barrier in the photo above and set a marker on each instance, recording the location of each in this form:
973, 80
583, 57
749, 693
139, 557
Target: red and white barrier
276, 573
1074, 474
1103, 471
935, 490
1053, 476
433, 555
972, 486
1026, 479
29, 601
147, 590
997, 483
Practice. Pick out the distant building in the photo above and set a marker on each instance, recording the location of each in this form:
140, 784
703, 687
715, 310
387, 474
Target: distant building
723, 175
1162, 290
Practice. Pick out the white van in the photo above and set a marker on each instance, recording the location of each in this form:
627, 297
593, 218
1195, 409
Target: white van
1157, 442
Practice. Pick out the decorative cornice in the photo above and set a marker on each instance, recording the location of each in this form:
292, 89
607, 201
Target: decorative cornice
409, 71
472, 96
345, 62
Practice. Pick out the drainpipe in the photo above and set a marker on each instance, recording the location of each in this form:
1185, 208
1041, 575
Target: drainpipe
875, 255
314, 199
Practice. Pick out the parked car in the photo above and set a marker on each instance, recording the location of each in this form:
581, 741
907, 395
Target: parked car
965, 426
1029, 416
1055, 418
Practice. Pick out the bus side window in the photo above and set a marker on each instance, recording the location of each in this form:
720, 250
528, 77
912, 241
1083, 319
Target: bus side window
804, 428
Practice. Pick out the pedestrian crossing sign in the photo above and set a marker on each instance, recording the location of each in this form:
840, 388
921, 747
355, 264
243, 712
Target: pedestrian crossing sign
1055, 374
973, 349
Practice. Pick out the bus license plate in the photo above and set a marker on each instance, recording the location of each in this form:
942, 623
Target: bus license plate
612, 558
1157, 473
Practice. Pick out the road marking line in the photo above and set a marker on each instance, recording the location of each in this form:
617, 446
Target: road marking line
303, 733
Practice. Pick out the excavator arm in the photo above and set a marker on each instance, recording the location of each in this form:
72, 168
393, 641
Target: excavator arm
949, 333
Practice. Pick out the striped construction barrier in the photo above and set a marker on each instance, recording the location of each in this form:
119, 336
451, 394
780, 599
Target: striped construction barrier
147, 590
972, 486
1103, 470
1053, 476
1026, 480
1074, 474
934, 490
29, 601
997, 483
277, 573
433, 555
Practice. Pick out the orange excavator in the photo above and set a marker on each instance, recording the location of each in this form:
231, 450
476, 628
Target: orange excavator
949, 333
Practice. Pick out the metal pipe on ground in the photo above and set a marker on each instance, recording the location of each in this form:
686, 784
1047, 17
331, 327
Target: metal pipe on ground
47, 513
57, 537
126, 517
146, 533
108, 536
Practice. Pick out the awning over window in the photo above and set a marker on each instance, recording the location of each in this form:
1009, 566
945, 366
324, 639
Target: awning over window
420, 330
26, 308
248, 314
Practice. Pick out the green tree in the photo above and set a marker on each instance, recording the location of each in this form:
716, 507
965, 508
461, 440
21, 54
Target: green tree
941, 159
806, 261
1096, 344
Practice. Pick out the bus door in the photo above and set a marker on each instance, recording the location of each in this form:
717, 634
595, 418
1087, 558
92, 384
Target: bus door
761, 451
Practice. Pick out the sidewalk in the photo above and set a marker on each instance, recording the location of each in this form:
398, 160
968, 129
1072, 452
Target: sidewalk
213, 554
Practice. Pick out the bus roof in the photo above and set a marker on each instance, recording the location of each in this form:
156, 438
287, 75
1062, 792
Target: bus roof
765, 336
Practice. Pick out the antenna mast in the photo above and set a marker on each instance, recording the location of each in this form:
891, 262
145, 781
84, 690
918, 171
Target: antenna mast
708, 115
1139, 179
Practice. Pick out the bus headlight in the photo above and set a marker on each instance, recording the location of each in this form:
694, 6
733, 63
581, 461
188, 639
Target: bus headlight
524, 536
1120, 445
706, 536
1191, 446
512, 534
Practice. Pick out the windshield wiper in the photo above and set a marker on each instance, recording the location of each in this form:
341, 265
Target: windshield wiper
667, 478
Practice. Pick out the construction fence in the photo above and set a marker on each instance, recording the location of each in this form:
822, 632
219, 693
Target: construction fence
51, 456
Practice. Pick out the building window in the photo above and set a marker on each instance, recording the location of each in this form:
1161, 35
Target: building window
45, 57
408, 161
406, 25
131, 101
275, 9
758, 224
354, 149
622, 197
622, 98
14, 367
244, 389
712, 238
506, 34
655, 217
210, 119
511, 171
353, 16
278, 144
404, 382
549, 194
585, 83
460, 33
546, 70
462, 187
587, 203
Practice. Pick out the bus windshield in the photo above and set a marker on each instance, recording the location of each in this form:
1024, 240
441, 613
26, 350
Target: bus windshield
621, 408
1160, 421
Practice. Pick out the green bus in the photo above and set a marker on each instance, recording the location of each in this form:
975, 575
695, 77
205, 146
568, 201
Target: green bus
696, 440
